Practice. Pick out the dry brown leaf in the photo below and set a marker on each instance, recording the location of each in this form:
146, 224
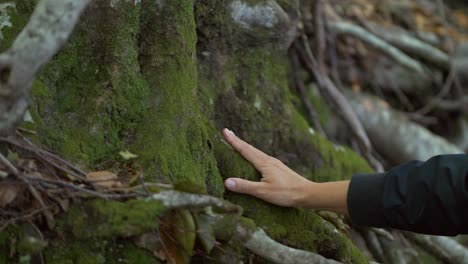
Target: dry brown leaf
178, 235
8, 193
421, 21
104, 178
460, 18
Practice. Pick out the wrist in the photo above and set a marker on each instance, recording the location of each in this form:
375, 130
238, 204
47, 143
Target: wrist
304, 195
331, 196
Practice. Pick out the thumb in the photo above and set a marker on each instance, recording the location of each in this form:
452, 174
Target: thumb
243, 186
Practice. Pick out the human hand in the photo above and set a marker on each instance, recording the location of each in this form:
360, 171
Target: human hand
279, 184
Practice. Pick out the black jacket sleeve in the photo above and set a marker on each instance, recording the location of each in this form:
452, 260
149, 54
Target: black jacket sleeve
426, 197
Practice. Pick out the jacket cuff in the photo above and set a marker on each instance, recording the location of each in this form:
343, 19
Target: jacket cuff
365, 203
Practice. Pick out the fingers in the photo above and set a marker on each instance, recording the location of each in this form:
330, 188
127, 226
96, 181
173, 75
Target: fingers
245, 186
255, 156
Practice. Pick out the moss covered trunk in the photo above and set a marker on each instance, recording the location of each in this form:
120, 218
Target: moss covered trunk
161, 79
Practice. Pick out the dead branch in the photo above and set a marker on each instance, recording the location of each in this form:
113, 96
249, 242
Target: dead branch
47, 31
345, 28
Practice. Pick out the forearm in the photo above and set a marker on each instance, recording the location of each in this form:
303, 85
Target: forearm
330, 196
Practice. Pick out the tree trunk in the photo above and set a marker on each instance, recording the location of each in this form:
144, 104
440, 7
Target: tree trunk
161, 79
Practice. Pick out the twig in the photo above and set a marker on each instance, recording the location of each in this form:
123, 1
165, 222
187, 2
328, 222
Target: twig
8, 164
53, 156
24, 217
460, 104
41, 154
435, 100
401, 96
82, 189
47, 31
164, 246
48, 215
143, 184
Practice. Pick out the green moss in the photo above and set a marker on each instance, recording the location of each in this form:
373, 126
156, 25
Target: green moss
106, 219
9, 239
30, 245
97, 252
247, 91
318, 103
91, 96
335, 162
173, 142
19, 16
153, 79
133, 254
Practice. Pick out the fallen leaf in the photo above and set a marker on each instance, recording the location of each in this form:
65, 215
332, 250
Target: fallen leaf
178, 235
127, 155
28, 117
460, 17
205, 232
8, 193
104, 178
152, 242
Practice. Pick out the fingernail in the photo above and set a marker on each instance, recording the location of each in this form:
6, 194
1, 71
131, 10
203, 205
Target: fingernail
230, 131
230, 184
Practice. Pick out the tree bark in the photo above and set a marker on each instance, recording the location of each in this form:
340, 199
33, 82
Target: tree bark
161, 79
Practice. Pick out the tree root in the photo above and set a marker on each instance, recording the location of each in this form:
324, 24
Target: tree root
412, 45
260, 243
444, 248
344, 28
